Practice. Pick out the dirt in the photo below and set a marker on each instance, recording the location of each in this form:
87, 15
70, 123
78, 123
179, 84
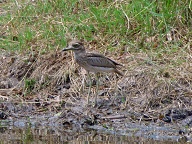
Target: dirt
51, 89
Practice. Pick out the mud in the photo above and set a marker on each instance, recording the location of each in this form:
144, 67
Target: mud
51, 91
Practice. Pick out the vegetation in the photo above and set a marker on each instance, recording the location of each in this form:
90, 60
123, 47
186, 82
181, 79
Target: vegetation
155, 26
29, 85
151, 38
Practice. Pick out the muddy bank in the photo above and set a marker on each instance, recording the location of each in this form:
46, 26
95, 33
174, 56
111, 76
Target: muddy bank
51, 90
50, 135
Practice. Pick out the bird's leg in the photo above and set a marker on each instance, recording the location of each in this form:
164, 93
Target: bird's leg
90, 84
82, 88
97, 87
116, 91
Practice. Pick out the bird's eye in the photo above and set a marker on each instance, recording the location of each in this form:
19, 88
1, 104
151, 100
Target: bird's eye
75, 45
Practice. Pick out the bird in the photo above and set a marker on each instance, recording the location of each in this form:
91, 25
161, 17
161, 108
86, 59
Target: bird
92, 62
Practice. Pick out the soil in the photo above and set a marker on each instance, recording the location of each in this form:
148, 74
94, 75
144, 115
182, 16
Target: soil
51, 89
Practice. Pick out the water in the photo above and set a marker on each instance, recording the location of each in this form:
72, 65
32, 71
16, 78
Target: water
42, 135
49, 129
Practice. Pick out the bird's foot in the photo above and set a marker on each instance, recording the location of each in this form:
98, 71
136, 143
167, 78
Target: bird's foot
94, 105
90, 104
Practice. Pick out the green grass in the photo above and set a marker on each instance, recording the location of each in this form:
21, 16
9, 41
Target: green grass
45, 25
151, 38
29, 85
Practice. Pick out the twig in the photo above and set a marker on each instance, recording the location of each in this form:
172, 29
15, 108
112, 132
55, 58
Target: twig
114, 117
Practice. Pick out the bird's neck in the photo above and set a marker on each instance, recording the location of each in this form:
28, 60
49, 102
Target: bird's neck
79, 53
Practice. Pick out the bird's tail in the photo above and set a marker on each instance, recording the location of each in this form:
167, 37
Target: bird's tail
118, 72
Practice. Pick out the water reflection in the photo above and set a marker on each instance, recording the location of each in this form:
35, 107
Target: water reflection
46, 135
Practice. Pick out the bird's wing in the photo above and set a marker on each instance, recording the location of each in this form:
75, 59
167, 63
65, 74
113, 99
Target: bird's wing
100, 60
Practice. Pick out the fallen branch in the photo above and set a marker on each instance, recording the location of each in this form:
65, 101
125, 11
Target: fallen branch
114, 117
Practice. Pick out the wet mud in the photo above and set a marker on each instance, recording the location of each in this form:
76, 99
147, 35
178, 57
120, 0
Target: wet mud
51, 91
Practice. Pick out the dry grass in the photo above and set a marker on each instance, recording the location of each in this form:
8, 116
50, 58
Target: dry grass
155, 50
146, 87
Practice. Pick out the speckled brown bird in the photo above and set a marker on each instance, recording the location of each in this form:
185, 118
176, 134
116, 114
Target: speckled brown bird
92, 62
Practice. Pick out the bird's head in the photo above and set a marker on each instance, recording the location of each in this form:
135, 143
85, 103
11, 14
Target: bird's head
76, 46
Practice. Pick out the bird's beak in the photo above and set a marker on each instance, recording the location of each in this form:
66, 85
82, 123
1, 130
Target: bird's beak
67, 48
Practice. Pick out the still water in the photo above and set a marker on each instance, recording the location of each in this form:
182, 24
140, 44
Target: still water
45, 135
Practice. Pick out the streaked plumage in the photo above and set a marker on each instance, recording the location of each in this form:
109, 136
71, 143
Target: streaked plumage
92, 62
